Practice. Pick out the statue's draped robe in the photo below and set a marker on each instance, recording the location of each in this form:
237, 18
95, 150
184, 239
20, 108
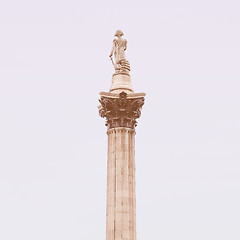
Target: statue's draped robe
119, 47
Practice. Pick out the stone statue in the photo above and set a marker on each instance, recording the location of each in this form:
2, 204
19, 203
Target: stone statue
121, 65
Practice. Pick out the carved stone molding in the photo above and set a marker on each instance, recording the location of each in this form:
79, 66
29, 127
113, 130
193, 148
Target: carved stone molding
121, 111
121, 129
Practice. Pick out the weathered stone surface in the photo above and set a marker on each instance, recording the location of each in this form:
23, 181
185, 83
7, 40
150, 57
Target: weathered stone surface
121, 111
121, 107
121, 196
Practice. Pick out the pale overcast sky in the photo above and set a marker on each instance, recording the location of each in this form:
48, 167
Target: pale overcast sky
53, 145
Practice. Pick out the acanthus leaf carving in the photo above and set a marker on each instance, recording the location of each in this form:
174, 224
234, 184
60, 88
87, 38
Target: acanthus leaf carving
121, 111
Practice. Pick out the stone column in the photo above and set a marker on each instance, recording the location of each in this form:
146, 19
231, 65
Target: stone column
121, 111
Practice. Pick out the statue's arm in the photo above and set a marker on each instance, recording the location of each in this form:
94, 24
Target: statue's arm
113, 47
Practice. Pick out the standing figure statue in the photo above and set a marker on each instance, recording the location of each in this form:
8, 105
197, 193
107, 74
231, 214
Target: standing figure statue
121, 65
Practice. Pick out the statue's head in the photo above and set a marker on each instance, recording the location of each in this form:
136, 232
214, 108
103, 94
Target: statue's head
118, 33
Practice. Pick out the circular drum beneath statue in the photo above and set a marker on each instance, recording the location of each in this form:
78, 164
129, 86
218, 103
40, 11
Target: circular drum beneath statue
121, 82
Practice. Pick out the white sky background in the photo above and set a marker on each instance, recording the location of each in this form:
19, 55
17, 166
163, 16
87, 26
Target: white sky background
53, 145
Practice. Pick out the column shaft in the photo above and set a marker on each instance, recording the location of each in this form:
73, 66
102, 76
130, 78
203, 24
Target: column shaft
121, 196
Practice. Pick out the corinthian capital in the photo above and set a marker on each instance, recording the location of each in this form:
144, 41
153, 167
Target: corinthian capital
121, 110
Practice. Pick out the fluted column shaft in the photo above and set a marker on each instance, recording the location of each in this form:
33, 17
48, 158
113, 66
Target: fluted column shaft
121, 111
121, 196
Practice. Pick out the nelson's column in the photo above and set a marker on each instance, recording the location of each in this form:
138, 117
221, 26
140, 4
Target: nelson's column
121, 107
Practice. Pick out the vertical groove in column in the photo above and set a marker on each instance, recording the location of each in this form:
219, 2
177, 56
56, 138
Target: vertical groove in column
128, 207
115, 179
108, 182
132, 187
114, 183
129, 187
111, 189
